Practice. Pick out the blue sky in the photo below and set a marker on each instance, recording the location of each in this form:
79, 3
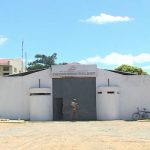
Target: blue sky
104, 32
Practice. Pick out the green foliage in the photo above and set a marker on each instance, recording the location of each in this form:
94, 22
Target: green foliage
42, 61
131, 69
63, 63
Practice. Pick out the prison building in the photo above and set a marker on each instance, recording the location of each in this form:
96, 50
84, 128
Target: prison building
46, 94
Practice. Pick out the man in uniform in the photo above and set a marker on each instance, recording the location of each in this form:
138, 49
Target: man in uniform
74, 108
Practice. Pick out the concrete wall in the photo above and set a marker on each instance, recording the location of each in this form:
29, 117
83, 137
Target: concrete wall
107, 103
14, 93
134, 91
41, 104
83, 89
12, 103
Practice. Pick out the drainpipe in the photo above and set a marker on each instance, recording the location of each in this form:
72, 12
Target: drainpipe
39, 83
108, 82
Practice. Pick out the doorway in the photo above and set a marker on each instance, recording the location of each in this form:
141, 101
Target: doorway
83, 89
58, 109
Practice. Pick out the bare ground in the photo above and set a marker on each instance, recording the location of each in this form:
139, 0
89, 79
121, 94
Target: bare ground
92, 135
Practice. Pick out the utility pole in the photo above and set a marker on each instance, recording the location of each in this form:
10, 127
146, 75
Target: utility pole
25, 61
22, 57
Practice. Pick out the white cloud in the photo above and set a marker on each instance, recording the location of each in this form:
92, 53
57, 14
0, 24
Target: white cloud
144, 57
118, 59
106, 18
2, 39
91, 60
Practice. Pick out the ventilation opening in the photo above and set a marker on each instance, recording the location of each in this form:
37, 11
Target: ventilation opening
118, 92
99, 92
110, 92
31, 94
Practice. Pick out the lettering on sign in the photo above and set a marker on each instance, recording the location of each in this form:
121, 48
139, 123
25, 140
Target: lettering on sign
74, 71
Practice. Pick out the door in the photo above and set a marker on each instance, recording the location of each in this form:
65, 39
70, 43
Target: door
83, 89
58, 109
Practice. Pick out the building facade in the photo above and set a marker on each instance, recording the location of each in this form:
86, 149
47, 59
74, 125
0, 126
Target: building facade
10, 66
47, 94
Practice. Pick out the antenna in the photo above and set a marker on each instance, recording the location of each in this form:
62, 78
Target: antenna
22, 56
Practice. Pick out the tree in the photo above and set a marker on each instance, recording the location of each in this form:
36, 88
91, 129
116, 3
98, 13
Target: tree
63, 63
42, 61
131, 69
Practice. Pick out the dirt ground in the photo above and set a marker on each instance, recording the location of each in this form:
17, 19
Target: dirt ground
92, 135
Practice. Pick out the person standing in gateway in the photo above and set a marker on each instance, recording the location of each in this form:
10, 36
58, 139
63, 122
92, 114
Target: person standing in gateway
74, 109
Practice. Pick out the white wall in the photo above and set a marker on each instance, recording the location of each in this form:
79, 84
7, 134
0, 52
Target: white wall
107, 104
14, 93
41, 105
11, 100
134, 91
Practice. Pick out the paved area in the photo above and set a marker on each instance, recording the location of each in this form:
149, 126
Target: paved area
92, 135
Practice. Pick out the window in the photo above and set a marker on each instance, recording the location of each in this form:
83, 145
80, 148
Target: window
5, 68
15, 70
5, 74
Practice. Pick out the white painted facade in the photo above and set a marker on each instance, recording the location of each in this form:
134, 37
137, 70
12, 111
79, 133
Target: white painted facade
41, 104
15, 93
107, 102
134, 91
10, 66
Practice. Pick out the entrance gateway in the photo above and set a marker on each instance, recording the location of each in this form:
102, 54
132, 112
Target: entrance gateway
74, 81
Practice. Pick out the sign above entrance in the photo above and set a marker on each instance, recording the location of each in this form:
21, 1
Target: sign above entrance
72, 70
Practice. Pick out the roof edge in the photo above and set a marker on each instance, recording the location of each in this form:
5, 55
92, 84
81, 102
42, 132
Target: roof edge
26, 73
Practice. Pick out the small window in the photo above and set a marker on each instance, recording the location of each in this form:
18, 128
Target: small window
15, 70
5, 74
5, 68
110, 92
99, 92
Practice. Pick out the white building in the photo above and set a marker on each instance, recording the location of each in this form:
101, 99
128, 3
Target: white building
10, 66
46, 95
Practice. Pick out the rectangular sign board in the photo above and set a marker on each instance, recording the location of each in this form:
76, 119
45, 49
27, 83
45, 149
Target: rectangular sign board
73, 70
